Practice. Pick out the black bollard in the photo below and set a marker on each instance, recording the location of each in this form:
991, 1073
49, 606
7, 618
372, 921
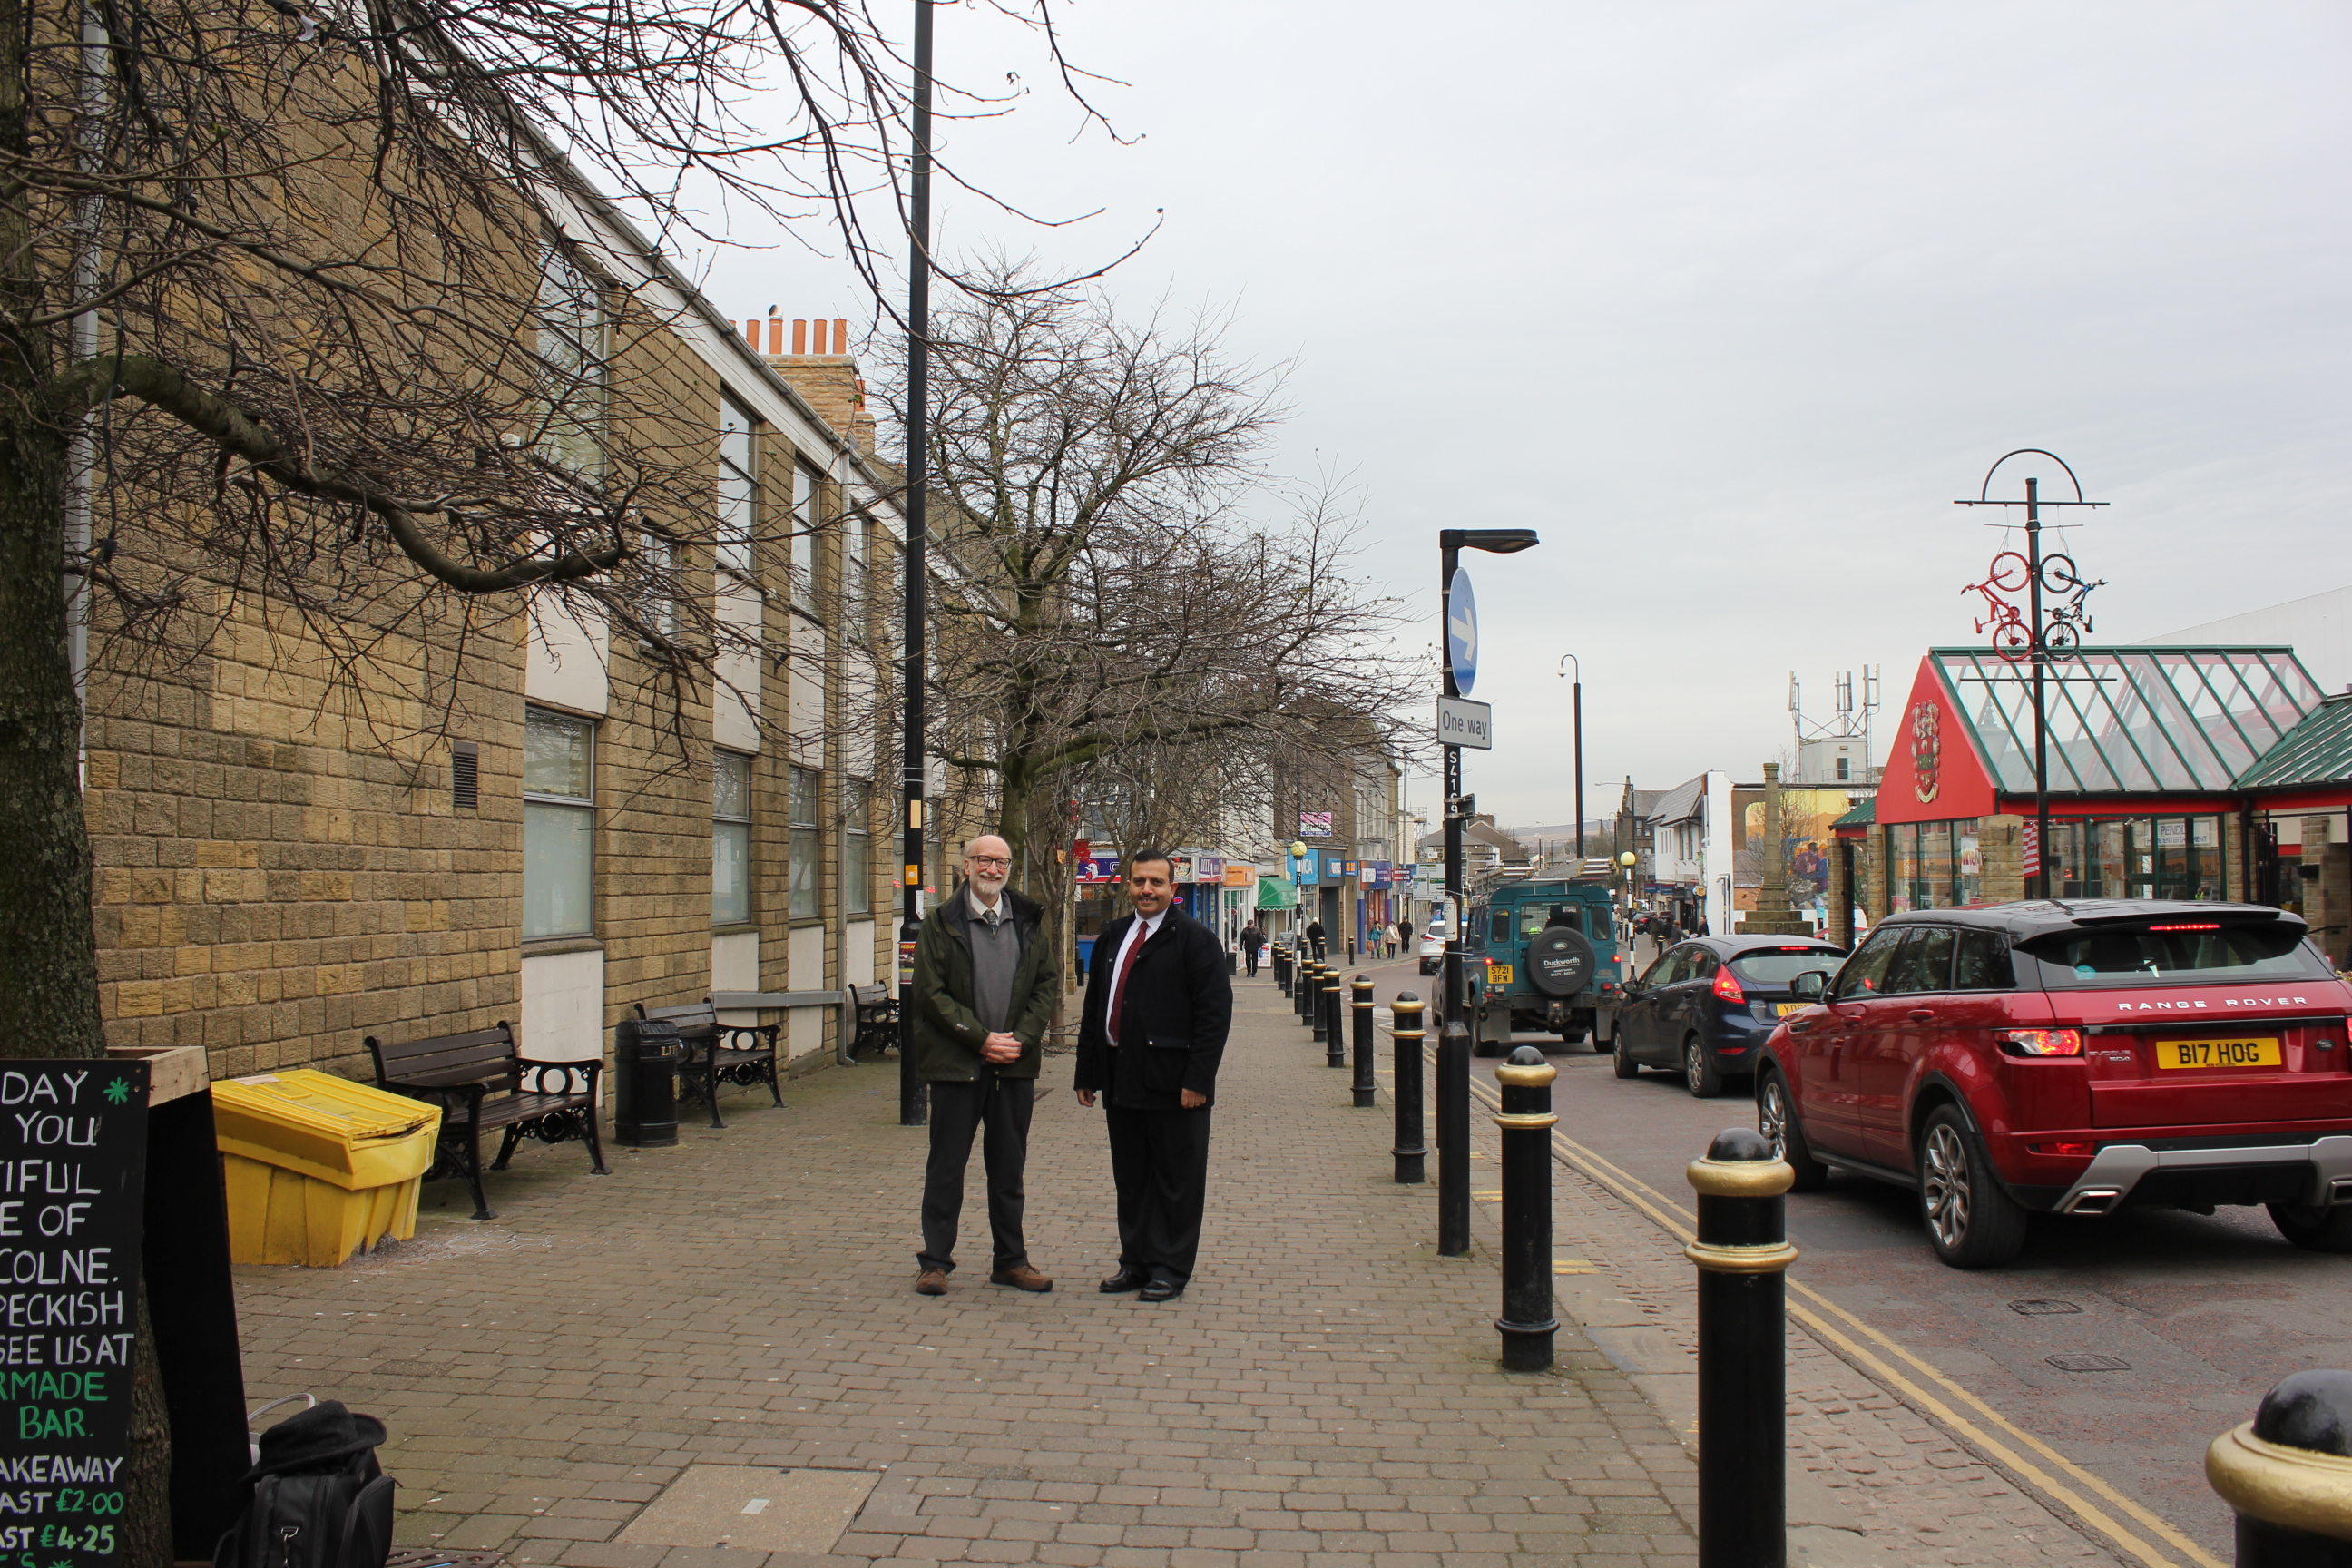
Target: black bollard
1314, 979
1527, 1323
2288, 1474
1282, 970
1743, 1256
1300, 969
1335, 1022
1404, 1027
1361, 1004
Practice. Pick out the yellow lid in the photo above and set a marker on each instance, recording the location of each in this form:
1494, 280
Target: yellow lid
313, 1122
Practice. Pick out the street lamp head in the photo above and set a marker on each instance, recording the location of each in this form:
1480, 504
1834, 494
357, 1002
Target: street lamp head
1298, 849
1626, 860
1494, 540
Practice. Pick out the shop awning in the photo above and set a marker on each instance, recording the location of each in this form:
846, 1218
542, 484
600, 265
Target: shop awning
2316, 752
1864, 814
1276, 893
2129, 720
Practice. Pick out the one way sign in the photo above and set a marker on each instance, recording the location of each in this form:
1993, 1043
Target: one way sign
1461, 722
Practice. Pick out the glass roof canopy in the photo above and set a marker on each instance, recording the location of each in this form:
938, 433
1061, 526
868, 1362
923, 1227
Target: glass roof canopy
2184, 720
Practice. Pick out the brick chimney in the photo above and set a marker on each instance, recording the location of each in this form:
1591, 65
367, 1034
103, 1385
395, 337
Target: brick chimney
821, 368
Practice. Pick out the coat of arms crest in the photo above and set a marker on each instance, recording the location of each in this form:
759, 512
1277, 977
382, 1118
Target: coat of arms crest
1927, 749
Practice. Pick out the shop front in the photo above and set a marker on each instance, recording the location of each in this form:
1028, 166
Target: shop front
2146, 748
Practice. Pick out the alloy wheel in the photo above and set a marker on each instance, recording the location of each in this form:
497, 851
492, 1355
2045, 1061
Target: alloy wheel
1772, 1115
1694, 1067
1944, 1183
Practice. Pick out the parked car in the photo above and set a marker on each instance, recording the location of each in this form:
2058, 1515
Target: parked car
1432, 946
1705, 1007
2080, 1059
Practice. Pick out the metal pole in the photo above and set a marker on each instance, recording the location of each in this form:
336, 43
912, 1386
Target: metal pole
1405, 1028
2038, 886
1361, 1005
1580, 773
1335, 1029
913, 1104
1743, 1256
1528, 1322
2288, 1475
1453, 1039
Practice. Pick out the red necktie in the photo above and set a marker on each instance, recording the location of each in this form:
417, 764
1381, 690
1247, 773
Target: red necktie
1118, 985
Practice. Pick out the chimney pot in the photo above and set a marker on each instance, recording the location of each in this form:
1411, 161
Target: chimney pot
800, 336
751, 333
840, 335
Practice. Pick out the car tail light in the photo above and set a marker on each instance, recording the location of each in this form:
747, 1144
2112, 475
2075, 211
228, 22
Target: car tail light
2078, 1151
2042, 1042
2206, 926
1726, 985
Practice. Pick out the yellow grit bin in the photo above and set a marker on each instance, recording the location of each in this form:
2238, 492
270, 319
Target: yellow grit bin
319, 1167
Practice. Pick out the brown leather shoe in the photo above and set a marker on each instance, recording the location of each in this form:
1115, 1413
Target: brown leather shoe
931, 1282
1021, 1278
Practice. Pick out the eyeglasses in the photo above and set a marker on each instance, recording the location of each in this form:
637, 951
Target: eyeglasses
999, 861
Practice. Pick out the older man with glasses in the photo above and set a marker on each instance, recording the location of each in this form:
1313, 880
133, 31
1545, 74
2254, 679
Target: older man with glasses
985, 986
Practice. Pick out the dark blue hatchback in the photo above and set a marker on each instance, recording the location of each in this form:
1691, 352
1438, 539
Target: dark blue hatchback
1705, 1007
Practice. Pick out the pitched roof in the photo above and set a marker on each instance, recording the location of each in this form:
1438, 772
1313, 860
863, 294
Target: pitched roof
2316, 751
1679, 803
1863, 813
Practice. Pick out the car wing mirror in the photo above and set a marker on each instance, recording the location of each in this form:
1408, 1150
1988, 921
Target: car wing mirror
1813, 985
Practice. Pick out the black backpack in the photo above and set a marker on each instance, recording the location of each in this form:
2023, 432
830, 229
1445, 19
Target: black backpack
319, 1498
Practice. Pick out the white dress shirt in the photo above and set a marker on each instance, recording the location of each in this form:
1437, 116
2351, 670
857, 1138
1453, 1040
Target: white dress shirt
1141, 931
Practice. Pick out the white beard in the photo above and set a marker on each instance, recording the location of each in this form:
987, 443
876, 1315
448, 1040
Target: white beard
989, 889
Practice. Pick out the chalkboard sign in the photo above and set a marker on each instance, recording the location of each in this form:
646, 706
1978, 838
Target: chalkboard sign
73, 1153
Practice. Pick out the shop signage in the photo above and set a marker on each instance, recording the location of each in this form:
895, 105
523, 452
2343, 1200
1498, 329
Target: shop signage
1927, 750
1099, 868
73, 1163
1464, 723
1180, 867
1241, 876
1400, 874
1208, 867
1374, 871
1314, 825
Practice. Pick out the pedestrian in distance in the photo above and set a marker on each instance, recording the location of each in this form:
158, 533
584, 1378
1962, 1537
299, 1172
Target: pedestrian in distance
1150, 1038
1315, 937
984, 992
1253, 940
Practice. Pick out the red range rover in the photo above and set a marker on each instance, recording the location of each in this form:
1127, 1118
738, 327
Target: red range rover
2076, 1058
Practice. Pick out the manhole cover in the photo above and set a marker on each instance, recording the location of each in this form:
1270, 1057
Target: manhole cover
2037, 1305
2090, 1363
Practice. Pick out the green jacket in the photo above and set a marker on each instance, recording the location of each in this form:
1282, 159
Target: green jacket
948, 1033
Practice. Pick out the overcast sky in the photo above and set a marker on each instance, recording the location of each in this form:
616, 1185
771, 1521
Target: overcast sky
1729, 302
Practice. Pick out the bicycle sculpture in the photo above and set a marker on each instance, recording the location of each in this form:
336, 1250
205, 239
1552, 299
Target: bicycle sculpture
2067, 598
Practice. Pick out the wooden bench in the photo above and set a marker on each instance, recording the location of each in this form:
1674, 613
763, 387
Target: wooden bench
712, 1053
482, 1080
877, 1013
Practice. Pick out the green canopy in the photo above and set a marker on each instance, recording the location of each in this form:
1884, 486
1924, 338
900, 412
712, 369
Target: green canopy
1276, 894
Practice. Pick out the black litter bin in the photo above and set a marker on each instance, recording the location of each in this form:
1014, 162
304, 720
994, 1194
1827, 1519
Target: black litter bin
645, 1082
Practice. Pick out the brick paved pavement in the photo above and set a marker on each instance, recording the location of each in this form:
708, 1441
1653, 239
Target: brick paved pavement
1325, 1393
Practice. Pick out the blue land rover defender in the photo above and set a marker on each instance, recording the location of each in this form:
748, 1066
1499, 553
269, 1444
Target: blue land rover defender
1551, 956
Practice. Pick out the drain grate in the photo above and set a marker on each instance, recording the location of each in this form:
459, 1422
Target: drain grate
425, 1557
2090, 1363
2034, 1306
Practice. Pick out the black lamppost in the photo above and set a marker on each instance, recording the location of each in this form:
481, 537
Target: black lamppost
913, 1106
2043, 640
1578, 688
1454, 1041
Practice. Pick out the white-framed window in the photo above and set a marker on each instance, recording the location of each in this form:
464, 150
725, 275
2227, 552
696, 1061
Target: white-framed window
570, 341
856, 848
658, 558
805, 539
731, 838
806, 802
559, 824
739, 494
858, 574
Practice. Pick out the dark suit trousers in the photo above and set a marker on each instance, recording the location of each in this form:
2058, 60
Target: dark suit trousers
1159, 1162
998, 1110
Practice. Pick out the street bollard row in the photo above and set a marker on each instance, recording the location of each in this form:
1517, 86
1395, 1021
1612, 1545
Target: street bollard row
2288, 1474
1307, 988
1281, 960
1360, 992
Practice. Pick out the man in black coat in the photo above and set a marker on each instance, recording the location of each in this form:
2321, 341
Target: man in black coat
1158, 1007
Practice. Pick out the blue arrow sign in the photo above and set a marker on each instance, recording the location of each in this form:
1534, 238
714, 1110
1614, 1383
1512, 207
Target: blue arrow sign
1462, 632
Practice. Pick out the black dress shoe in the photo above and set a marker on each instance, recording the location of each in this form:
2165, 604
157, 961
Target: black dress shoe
1160, 1291
1126, 1279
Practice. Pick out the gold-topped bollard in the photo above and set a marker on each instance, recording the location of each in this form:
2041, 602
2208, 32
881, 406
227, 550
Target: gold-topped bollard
1360, 1006
1527, 1323
1405, 1029
2288, 1474
1743, 1255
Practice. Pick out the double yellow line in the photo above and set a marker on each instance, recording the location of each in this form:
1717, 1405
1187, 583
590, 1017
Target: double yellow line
1920, 1384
